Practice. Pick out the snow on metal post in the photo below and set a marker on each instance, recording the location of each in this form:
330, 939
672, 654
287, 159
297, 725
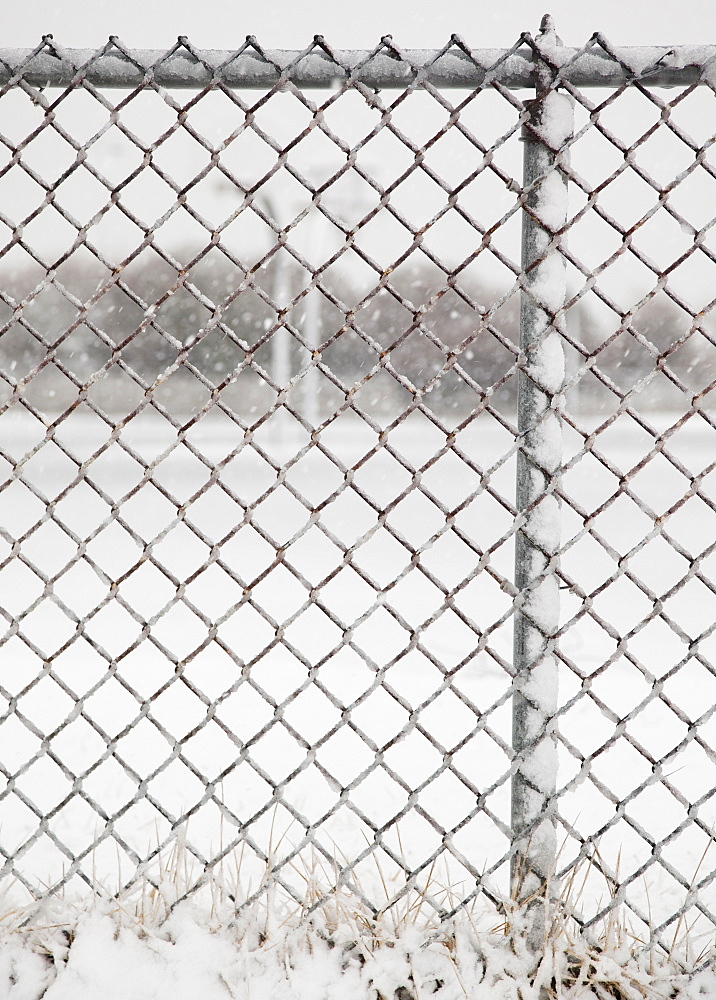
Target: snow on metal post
537, 541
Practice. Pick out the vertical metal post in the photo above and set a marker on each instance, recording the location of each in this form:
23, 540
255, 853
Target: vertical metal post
539, 457
312, 325
281, 345
280, 339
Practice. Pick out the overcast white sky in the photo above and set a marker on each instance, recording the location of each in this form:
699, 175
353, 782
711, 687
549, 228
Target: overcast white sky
359, 23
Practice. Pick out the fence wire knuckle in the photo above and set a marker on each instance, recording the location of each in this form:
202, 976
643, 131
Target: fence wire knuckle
357, 500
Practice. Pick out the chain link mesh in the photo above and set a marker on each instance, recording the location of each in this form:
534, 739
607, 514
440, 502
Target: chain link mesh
258, 361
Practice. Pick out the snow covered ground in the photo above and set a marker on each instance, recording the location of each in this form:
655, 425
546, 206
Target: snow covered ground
110, 957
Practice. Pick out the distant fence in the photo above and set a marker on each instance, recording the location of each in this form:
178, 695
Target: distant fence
280, 332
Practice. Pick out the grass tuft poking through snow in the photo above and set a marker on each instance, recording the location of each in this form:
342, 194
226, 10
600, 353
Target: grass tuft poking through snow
144, 944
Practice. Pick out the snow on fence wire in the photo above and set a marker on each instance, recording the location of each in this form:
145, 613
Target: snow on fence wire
267, 387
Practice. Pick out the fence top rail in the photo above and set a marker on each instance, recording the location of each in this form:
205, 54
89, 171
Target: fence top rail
456, 66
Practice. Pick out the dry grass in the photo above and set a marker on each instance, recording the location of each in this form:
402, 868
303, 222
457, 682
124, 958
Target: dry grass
450, 958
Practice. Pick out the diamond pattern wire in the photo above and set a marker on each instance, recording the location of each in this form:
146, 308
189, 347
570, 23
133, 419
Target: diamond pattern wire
259, 355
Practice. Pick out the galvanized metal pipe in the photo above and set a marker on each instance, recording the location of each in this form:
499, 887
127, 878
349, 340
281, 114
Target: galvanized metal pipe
251, 67
537, 541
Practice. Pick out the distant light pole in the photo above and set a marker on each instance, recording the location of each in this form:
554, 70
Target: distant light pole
280, 294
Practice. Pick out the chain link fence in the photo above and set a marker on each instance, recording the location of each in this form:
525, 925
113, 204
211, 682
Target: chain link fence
300, 355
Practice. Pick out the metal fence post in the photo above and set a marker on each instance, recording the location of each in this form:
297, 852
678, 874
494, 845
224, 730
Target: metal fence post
537, 541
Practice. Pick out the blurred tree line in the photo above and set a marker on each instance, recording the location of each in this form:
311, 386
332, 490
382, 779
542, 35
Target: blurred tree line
452, 342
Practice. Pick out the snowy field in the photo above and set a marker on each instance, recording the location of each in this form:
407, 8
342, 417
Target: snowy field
199, 703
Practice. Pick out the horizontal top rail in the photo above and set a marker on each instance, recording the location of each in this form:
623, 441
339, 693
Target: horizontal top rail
596, 65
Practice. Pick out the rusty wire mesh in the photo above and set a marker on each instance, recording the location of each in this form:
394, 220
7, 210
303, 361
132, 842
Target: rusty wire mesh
258, 355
